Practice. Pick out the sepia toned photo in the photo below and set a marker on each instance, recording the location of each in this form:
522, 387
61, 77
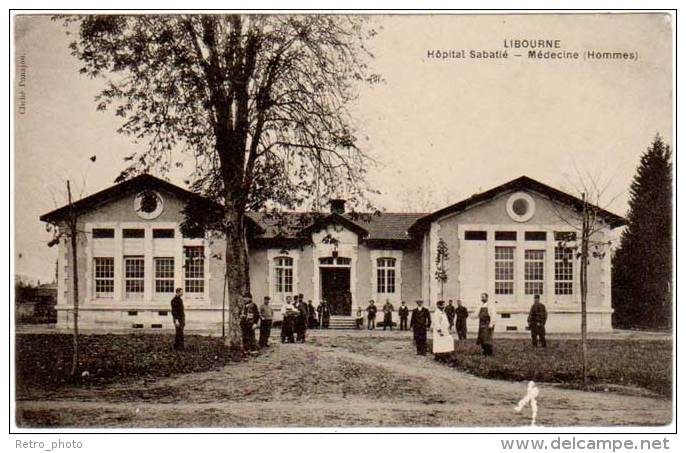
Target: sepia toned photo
343, 221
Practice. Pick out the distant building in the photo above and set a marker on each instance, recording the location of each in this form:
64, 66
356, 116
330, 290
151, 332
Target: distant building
36, 304
504, 241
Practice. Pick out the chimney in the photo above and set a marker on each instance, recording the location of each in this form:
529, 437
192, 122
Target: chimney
337, 205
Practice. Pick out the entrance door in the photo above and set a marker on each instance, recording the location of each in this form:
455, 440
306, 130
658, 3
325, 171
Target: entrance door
336, 289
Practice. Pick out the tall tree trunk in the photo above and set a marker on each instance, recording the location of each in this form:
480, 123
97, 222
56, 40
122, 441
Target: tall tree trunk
238, 278
584, 291
75, 283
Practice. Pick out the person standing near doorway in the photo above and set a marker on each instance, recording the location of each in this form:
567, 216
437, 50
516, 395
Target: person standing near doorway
388, 310
403, 312
536, 320
324, 314
487, 316
287, 313
371, 316
419, 323
311, 315
179, 316
266, 318
359, 319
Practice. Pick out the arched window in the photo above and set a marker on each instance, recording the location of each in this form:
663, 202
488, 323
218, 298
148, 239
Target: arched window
283, 274
385, 275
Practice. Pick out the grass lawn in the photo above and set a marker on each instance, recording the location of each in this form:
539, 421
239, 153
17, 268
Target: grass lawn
43, 362
629, 363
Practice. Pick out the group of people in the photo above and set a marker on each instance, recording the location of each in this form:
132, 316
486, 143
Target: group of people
456, 315
443, 343
298, 316
387, 311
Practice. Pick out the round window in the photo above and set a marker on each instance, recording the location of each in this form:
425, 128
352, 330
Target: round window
520, 207
148, 204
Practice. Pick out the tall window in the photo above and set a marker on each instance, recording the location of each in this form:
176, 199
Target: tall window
534, 265
283, 274
164, 275
104, 277
564, 271
504, 270
385, 275
134, 281
194, 269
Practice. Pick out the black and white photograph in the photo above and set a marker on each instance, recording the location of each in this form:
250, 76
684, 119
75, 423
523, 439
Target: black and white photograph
343, 220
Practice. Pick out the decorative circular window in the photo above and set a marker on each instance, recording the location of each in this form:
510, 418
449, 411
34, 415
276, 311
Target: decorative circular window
521, 207
148, 204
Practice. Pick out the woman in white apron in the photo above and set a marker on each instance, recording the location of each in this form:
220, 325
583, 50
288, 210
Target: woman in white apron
443, 344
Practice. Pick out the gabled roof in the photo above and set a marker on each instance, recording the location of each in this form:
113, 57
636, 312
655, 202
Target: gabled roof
521, 183
128, 187
386, 226
334, 218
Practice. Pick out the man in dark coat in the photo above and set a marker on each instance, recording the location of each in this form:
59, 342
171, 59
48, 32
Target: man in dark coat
419, 323
536, 320
250, 316
371, 315
388, 315
450, 314
301, 329
266, 318
403, 312
487, 316
461, 315
179, 316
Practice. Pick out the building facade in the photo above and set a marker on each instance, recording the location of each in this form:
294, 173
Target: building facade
512, 242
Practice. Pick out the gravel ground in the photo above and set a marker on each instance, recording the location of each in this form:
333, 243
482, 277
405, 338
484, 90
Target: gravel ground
341, 379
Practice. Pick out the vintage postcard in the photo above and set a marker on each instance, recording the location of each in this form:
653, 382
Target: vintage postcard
343, 221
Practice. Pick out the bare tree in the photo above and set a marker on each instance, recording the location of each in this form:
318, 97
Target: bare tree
260, 101
441, 256
590, 225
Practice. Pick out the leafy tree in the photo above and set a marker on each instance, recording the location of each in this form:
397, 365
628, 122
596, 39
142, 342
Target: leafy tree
642, 265
260, 101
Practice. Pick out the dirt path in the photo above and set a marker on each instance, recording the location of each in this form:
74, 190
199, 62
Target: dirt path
342, 380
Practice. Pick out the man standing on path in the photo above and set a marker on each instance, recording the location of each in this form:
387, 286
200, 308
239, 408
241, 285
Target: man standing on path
388, 310
250, 316
302, 319
536, 320
179, 316
419, 323
371, 315
403, 312
450, 314
487, 316
461, 315
266, 318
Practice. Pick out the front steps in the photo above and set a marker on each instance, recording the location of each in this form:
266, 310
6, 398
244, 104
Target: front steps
341, 322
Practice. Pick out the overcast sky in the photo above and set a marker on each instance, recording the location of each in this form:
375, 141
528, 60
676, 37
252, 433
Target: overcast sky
449, 127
